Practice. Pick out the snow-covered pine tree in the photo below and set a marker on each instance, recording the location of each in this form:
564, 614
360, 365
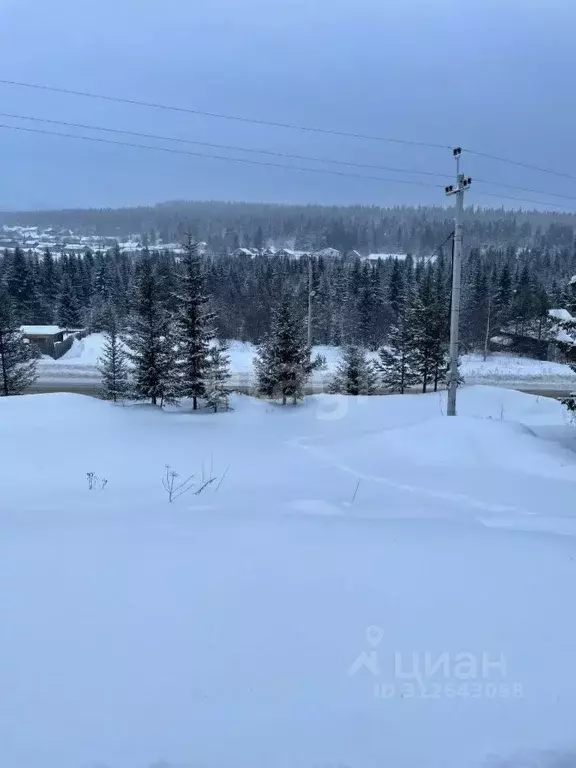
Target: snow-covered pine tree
68, 310
23, 289
504, 295
355, 374
113, 364
475, 303
107, 290
49, 281
524, 301
217, 376
150, 342
282, 362
368, 313
341, 318
323, 305
194, 327
567, 343
442, 292
17, 356
167, 280
428, 316
83, 288
542, 312
396, 288
39, 310
398, 363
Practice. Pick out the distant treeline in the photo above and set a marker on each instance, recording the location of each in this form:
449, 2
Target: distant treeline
227, 226
354, 302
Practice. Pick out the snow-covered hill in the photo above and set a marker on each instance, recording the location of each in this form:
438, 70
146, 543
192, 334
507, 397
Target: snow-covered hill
366, 583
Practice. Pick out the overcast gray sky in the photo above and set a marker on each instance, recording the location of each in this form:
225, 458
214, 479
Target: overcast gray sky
494, 75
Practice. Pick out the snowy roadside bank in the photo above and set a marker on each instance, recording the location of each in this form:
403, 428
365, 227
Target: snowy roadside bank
79, 365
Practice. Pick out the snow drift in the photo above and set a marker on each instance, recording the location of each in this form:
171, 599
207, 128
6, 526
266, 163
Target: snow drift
371, 584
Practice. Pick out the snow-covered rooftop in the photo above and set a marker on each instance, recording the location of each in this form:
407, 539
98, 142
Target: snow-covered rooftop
385, 256
329, 252
560, 314
41, 330
292, 254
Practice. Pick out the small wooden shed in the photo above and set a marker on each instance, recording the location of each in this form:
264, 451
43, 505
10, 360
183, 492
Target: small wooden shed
44, 336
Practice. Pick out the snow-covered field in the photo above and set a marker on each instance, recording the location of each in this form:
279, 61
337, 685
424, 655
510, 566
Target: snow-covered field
368, 583
79, 365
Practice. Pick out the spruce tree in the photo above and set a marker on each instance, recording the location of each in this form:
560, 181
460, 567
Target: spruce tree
524, 301
475, 306
428, 317
504, 297
106, 291
542, 307
150, 342
84, 288
40, 311
194, 327
323, 320
282, 362
113, 364
68, 311
398, 363
396, 286
167, 279
355, 374
18, 359
217, 376
342, 290
22, 288
369, 308
568, 343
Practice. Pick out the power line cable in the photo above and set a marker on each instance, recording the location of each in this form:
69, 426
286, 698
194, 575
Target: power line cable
171, 150
524, 189
438, 248
519, 164
287, 155
245, 160
274, 124
554, 206
221, 116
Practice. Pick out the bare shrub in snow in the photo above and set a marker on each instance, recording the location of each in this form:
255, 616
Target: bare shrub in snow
95, 482
175, 486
